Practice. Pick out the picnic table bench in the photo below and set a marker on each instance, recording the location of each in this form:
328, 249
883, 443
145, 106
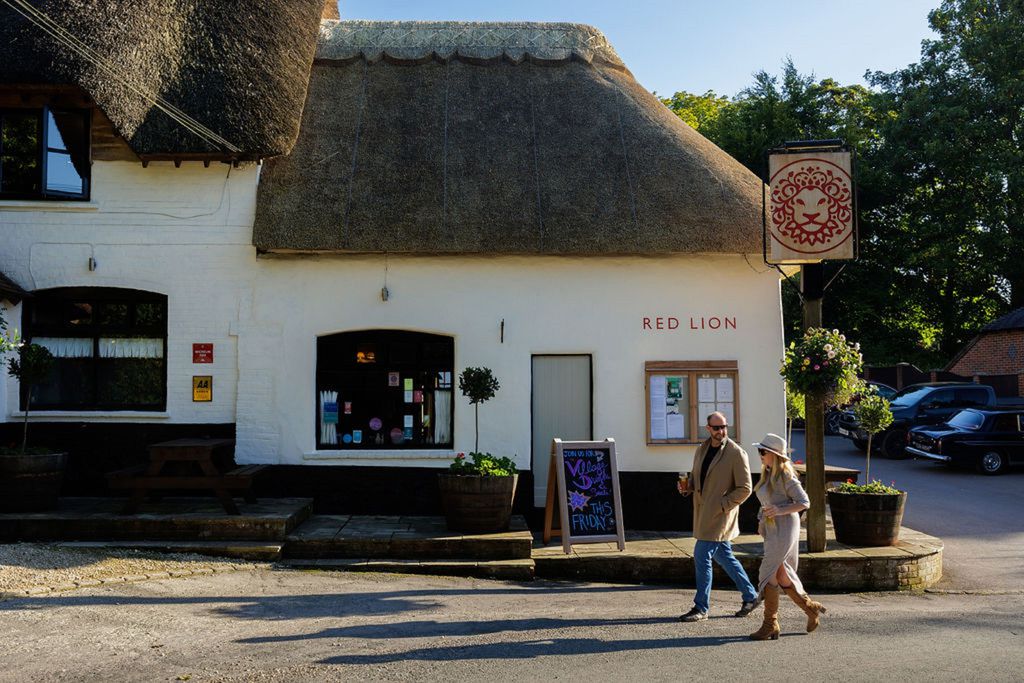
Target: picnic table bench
832, 473
168, 461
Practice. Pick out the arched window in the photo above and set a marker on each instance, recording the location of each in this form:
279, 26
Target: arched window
384, 389
110, 347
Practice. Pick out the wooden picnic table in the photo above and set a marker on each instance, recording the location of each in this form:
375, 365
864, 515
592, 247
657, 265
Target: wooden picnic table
168, 462
832, 473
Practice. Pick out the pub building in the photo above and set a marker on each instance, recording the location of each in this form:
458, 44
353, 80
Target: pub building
350, 214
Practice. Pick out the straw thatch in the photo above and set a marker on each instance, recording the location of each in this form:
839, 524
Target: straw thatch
495, 138
11, 290
239, 67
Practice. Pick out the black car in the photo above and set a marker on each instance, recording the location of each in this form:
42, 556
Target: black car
918, 405
835, 413
990, 440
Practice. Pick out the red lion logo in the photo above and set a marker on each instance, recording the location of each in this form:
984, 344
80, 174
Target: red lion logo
811, 203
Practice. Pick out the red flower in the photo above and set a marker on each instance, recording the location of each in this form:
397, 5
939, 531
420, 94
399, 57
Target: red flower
460, 456
849, 481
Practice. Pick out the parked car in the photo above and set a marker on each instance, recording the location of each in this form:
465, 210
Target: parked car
989, 439
918, 405
833, 414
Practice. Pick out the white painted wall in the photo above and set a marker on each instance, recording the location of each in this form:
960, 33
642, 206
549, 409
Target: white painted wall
185, 232
549, 304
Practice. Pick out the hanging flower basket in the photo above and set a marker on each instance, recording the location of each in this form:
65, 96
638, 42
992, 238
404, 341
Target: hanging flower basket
823, 365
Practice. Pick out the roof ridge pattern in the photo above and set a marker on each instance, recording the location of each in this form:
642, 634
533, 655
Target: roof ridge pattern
415, 40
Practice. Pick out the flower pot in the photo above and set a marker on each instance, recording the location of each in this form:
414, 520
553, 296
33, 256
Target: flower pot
869, 519
30, 482
476, 503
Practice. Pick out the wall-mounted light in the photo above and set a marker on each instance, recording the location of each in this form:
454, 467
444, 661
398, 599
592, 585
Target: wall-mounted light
384, 294
92, 263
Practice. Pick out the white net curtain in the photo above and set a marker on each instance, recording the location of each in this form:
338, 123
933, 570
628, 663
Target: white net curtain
110, 347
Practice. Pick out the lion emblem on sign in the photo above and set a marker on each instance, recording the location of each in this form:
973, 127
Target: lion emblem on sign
812, 204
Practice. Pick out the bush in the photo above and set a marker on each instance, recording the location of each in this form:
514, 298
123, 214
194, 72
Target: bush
483, 464
875, 487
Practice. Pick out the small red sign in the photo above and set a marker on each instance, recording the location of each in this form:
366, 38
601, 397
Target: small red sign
202, 353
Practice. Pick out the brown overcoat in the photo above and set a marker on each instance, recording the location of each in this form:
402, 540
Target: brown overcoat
716, 506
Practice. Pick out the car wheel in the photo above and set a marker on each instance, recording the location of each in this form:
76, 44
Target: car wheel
992, 462
894, 444
860, 444
832, 422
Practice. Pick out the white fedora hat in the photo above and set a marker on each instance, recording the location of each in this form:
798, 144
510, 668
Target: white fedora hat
774, 443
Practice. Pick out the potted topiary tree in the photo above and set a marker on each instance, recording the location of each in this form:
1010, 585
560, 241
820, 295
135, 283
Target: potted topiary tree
868, 514
30, 478
477, 493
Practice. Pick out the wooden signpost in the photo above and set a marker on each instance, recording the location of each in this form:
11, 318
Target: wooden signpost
585, 478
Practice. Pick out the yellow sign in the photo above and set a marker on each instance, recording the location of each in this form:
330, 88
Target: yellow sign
202, 388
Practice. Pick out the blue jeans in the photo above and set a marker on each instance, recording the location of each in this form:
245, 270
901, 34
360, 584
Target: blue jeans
721, 551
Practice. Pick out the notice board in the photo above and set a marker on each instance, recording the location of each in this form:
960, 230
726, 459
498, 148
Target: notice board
583, 480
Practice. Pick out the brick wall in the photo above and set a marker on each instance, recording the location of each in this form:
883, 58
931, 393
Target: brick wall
993, 353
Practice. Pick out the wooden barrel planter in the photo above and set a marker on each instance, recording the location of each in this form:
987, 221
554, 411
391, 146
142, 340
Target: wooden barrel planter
867, 519
476, 503
30, 482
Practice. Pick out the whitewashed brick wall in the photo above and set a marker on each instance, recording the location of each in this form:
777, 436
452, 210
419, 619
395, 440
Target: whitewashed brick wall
185, 232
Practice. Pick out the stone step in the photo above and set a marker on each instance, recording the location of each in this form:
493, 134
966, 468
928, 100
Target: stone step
169, 519
407, 538
249, 550
509, 570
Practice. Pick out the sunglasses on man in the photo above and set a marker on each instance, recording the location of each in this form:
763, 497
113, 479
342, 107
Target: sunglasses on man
716, 428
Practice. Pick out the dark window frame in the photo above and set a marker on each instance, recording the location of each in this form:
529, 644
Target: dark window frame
43, 150
97, 297
383, 343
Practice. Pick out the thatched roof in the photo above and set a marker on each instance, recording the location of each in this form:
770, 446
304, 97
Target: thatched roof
495, 138
10, 290
239, 67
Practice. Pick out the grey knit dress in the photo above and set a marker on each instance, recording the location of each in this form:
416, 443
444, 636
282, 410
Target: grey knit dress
781, 533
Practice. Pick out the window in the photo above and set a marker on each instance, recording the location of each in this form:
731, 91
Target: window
110, 347
681, 394
1009, 422
971, 397
384, 389
44, 153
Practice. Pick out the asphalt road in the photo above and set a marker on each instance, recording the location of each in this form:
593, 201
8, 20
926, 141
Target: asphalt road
299, 626
980, 518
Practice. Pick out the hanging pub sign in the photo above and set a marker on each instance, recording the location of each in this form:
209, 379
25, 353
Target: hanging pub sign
811, 209
583, 483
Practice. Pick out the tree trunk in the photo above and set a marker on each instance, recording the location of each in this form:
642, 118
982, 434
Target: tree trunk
867, 466
476, 416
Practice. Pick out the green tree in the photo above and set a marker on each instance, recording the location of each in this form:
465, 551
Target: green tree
478, 385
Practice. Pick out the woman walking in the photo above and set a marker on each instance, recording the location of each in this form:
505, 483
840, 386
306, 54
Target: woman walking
782, 499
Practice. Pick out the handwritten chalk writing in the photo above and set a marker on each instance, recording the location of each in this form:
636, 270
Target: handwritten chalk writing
588, 484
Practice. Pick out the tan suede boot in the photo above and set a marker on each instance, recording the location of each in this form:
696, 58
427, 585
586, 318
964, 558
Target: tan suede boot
770, 627
811, 608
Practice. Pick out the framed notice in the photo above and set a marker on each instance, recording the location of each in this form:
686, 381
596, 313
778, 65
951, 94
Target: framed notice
679, 395
583, 482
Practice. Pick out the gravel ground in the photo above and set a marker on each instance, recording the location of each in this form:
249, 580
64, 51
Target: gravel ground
34, 569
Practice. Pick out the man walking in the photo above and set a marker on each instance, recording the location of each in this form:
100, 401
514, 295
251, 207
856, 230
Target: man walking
720, 482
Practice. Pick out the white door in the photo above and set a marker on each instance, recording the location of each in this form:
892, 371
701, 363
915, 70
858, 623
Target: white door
561, 409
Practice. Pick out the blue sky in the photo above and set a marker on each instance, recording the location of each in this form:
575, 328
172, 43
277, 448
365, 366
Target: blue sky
699, 45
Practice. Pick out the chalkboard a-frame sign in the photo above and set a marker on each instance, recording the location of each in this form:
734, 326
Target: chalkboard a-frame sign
589, 504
